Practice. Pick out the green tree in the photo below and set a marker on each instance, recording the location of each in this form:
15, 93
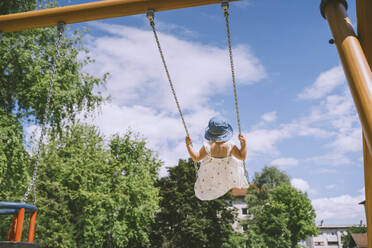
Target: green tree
25, 63
184, 220
25, 59
236, 240
301, 219
263, 183
279, 215
12, 6
346, 239
270, 177
13, 158
96, 195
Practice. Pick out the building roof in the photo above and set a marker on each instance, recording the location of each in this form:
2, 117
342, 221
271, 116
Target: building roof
337, 225
360, 239
238, 192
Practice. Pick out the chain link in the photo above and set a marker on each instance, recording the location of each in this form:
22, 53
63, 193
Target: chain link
32, 185
150, 16
225, 7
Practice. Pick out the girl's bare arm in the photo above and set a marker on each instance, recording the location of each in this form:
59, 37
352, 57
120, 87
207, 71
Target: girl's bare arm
242, 153
195, 156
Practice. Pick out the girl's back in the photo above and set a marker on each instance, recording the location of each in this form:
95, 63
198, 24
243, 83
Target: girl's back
219, 149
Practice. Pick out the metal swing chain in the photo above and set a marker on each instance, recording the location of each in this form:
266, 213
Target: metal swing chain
32, 185
225, 7
151, 16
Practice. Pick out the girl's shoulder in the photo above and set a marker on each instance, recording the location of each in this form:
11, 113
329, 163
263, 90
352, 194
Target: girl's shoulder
207, 146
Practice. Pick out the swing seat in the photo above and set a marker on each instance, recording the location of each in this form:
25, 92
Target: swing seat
18, 211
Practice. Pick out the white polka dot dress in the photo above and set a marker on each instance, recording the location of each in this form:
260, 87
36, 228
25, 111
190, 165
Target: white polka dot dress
216, 176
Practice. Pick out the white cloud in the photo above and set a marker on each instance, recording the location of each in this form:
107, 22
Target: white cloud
341, 209
300, 184
333, 119
285, 163
264, 140
137, 74
337, 114
269, 117
147, 121
348, 142
324, 84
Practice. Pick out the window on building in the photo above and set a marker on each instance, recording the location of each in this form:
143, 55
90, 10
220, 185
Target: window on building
245, 227
332, 243
244, 211
321, 243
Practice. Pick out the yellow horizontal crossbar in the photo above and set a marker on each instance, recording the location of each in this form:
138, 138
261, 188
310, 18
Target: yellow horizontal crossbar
90, 12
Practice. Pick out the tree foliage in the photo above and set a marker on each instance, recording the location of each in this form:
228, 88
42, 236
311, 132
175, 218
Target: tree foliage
13, 6
14, 160
93, 195
25, 65
14, 164
263, 184
270, 177
184, 220
279, 215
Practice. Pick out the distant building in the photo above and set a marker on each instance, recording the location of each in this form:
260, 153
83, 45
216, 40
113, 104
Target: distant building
329, 237
240, 205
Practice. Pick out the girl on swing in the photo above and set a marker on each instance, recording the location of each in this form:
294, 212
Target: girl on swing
220, 170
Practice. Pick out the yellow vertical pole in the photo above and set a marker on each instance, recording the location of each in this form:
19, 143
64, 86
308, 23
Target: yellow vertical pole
354, 62
368, 188
359, 75
364, 10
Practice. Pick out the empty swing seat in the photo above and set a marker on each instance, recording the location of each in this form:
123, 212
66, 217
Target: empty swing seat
18, 210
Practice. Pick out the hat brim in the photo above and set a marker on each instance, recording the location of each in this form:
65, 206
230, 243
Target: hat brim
223, 137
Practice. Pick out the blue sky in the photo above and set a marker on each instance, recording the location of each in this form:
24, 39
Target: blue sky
296, 109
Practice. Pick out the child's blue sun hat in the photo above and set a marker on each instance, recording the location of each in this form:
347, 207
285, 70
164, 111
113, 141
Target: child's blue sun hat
218, 130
